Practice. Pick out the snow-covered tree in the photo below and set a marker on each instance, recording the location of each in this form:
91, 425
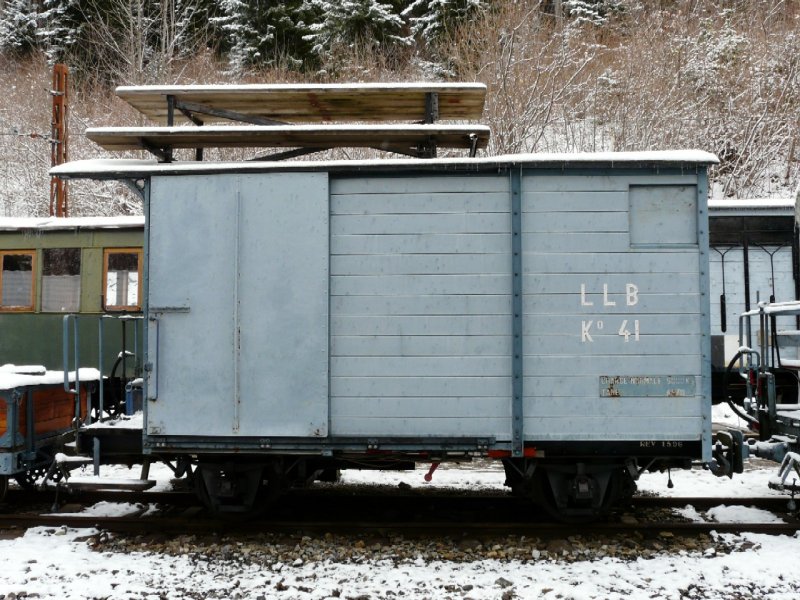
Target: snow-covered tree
18, 24
60, 28
430, 19
355, 23
585, 11
266, 33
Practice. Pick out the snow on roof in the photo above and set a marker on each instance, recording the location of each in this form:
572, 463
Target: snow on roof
299, 87
136, 168
753, 206
61, 223
432, 128
12, 376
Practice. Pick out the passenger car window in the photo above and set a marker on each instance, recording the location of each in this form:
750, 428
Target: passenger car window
122, 270
16, 281
61, 280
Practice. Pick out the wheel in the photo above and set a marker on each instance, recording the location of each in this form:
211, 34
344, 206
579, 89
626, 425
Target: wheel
238, 490
27, 479
3, 487
574, 495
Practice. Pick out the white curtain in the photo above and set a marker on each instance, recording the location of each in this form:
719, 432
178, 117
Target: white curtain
61, 293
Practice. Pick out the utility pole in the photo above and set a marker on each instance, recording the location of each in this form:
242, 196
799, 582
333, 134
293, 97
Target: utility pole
58, 140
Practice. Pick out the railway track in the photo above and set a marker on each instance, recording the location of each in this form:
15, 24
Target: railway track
440, 499
194, 525
416, 514
205, 525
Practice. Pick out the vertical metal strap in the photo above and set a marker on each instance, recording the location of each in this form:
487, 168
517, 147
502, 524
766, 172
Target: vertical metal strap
30, 426
517, 432
65, 349
237, 331
170, 110
100, 367
703, 238
746, 261
170, 123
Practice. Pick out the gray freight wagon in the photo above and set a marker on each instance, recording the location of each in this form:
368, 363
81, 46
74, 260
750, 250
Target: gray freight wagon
549, 311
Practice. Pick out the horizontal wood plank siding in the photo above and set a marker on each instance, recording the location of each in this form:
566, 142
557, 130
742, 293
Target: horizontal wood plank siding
570, 283
371, 387
419, 345
564, 325
573, 389
559, 304
595, 425
641, 262
595, 305
569, 183
604, 344
380, 224
422, 426
549, 242
567, 406
414, 243
420, 306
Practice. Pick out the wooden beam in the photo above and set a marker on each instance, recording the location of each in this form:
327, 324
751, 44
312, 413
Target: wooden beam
190, 108
286, 155
422, 138
315, 103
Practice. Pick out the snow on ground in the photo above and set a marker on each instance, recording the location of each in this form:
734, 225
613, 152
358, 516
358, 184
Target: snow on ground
61, 563
112, 509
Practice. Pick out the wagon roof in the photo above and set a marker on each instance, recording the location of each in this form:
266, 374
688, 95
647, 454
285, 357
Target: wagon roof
71, 223
135, 168
752, 207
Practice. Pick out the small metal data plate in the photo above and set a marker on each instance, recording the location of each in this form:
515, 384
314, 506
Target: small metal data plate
647, 386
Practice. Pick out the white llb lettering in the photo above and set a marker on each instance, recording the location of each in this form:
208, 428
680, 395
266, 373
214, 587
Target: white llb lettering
584, 301
606, 301
631, 294
585, 335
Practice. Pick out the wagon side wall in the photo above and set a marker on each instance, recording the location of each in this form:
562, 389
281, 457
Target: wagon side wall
615, 306
410, 279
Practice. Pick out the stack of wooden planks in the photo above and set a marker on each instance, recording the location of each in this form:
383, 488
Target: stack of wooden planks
400, 118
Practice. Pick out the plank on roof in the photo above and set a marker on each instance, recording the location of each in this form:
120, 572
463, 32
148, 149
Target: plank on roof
386, 137
313, 103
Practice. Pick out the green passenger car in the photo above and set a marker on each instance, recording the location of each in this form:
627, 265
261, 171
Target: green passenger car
89, 267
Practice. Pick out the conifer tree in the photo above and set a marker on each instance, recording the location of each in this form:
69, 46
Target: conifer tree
18, 24
265, 33
430, 19
366, 23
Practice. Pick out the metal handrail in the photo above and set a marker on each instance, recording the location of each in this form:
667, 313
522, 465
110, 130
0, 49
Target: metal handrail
74, 337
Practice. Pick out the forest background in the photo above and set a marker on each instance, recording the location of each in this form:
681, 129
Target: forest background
562, 75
